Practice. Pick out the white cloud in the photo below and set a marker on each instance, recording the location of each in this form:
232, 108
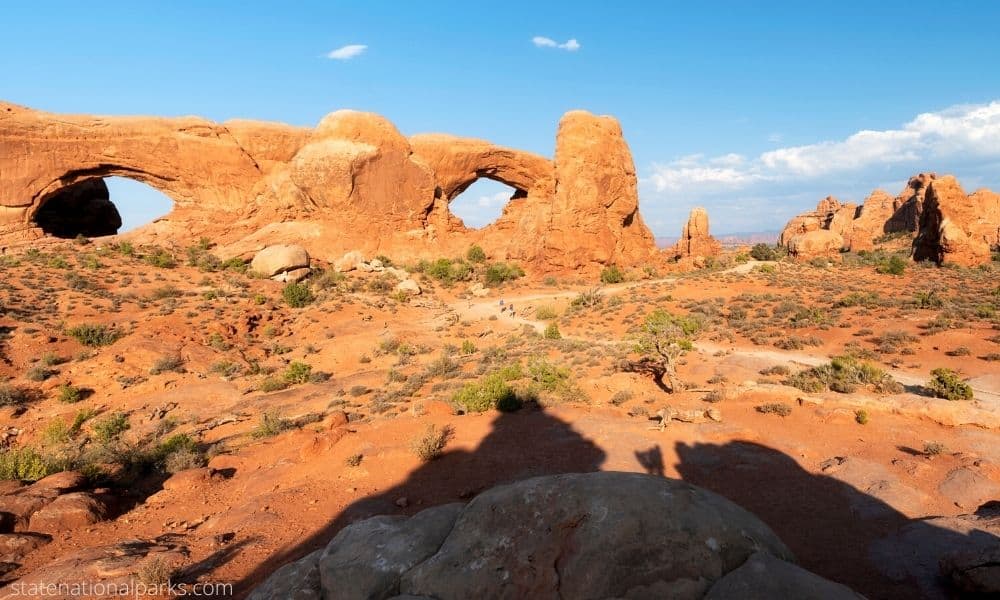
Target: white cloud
497, 199
963, 140
960, 131
347, 52
570, 45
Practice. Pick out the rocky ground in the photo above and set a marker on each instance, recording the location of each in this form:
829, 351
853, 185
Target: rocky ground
189, 420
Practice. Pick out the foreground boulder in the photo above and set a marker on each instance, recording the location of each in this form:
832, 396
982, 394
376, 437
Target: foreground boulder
594, 535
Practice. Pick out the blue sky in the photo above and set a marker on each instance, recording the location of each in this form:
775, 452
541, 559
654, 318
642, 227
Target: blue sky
746, 108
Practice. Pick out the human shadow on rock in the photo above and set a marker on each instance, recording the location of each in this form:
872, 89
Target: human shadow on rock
523, 444
834, 529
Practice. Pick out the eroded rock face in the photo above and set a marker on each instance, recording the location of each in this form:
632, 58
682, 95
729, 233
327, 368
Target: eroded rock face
595, 212
908, 206
861, 226
872, 218
695, 238
956, 228
816, 244
826, 210
594, 535
352, 183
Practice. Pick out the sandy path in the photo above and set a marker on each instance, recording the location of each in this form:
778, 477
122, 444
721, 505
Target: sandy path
986, 389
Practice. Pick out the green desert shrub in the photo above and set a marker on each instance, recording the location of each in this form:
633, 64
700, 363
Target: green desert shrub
297, 295
766, 252
111, 428
69, 394
160, 257
27, 464
545, 312
845, 374
492, 391
945, 383
94, 335
475, 254
612, 274
446, 270
297, 373
894, 265
12, 395
501, 272
167, 364
271, 424
552, 331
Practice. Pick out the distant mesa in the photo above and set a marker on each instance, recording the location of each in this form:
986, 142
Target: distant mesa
932, 213
352, 183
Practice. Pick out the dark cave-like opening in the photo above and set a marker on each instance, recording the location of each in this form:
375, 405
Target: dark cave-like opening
84, 208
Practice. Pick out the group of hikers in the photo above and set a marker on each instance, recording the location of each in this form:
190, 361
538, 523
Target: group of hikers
507, 307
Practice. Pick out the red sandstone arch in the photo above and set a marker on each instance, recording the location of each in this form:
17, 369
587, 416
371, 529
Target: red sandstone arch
191, 160
352, 183
458, 162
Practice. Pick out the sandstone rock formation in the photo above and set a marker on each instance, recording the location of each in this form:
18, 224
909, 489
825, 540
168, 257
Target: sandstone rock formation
817, 243
956, 228
910, 203
695, 239
31, 514
821, 218
352, 183
280, 258
860, 226
594, 535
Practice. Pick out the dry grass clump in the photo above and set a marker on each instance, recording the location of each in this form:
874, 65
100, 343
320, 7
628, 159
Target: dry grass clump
432, 442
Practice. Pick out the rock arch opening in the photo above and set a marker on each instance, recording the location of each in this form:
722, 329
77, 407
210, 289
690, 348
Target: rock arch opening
98, 207
482, 202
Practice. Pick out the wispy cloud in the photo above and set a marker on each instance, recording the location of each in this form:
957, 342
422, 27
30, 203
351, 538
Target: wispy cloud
347, 52
963, 139
570, 45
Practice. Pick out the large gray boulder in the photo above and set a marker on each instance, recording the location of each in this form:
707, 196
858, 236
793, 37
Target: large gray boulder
764, 577
961, 551
367, 560
593, 535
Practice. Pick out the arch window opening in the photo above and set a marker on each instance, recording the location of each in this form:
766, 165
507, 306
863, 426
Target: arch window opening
101, 206
482, 203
